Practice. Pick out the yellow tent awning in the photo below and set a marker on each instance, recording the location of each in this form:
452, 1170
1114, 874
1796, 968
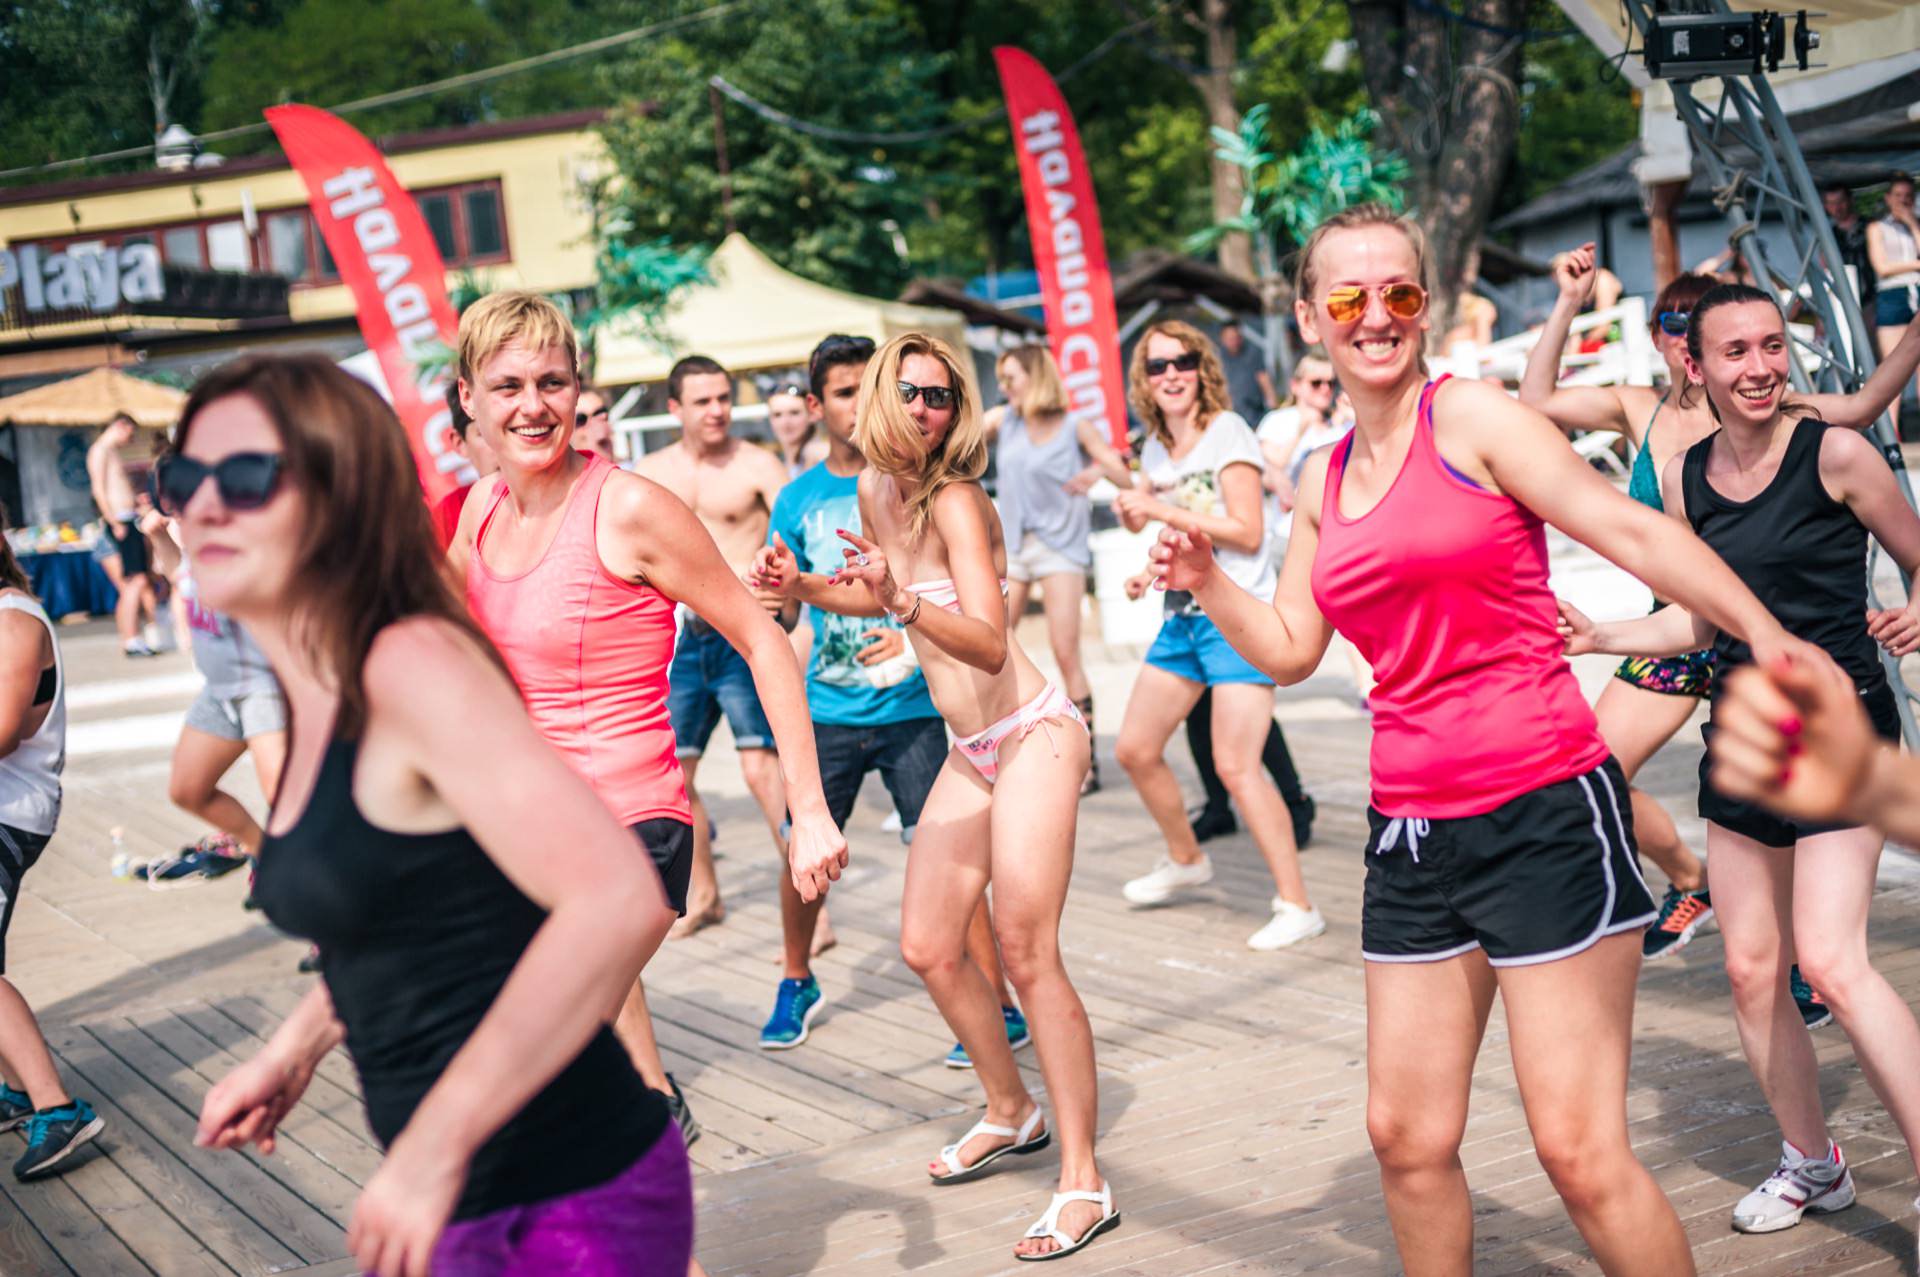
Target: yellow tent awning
756, 314
93, 399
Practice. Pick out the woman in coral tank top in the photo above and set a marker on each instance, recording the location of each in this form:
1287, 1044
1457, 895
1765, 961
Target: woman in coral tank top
1501, 853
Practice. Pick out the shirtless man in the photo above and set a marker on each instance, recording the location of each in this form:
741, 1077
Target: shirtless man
731, 486
113, 496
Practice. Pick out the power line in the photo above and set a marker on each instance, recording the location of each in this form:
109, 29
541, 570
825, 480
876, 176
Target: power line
461, 81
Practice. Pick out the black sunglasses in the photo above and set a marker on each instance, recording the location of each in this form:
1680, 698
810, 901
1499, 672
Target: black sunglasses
245, 480
1180, 363
936, 397
1318, 383
1673, 323
582, 418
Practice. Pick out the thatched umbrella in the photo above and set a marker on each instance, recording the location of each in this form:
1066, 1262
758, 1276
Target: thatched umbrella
94, 399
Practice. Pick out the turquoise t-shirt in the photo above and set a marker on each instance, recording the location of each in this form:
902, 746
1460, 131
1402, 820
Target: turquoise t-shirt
807, 515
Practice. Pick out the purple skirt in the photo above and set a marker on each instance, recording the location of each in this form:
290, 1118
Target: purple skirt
637, 1224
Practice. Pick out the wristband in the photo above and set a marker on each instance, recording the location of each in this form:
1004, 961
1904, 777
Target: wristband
912, 614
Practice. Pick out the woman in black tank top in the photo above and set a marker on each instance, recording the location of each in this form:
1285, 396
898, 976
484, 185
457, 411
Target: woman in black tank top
480, 915
1789, 503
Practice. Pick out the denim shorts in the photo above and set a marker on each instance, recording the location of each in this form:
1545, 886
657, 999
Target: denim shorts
1191, 646
907, 754
708, 677
1894, 307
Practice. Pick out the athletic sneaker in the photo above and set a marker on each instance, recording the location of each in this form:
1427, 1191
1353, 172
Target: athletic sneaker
54, 1133
680, 1112
15, 1107
1814, 1011
1212, 822
190, 866
1798, 1185
793, 1009
1166, 878
1017, 1037
1290, 925
138, 647
1682, 913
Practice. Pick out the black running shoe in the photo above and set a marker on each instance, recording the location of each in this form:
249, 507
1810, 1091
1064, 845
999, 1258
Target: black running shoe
310, 961
677, 1109
1212, 822
15, 1107
1682, 914
1303, 813
1814, 1011
52, 1134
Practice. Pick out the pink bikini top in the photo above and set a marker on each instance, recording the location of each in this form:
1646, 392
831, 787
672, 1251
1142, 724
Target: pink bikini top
943, 593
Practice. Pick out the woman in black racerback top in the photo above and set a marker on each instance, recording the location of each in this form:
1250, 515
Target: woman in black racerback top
479, 913
1789, 502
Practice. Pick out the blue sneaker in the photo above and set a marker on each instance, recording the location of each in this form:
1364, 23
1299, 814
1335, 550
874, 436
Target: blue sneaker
793, 1010
1017, 1037
15, 1107
52, 1134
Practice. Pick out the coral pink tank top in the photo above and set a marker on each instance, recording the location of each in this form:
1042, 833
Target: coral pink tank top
1443, 588
590, 653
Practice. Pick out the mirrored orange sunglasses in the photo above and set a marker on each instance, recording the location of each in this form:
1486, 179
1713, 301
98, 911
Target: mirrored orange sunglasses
1403, 301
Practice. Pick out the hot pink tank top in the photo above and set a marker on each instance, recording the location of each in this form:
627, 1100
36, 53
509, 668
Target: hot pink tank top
590, 653
1443, 588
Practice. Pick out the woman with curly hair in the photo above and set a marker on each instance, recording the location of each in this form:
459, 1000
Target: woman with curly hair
1006, 802
1203, 469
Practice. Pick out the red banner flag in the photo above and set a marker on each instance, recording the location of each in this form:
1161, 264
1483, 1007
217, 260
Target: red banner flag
1069, 249
388, 258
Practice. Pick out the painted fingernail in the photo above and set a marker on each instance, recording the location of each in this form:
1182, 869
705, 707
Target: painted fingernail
1786, 774
1790, 725
1795, 749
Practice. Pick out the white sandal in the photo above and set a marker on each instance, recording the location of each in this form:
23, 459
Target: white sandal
1048, 1225
1024, 1142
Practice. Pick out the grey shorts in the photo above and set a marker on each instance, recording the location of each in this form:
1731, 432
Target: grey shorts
240, 717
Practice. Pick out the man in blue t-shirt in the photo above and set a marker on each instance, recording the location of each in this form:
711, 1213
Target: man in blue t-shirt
865, 692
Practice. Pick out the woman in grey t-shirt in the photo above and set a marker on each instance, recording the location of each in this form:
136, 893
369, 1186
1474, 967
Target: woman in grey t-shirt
1046, 461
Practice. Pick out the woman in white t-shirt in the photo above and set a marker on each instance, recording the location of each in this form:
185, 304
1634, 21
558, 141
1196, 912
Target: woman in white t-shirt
1201, 471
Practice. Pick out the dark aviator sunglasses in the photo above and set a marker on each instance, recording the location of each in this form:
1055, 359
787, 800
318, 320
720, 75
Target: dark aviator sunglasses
245, 480
936, 397
1179, 363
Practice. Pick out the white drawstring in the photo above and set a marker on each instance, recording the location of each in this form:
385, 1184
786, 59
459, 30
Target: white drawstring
1415, 828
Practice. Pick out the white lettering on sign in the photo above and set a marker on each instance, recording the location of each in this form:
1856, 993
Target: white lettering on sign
96, 281
1080, 356
354, 194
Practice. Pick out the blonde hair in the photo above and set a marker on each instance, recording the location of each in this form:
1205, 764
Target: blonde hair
891, 441
1305, 275
499, 319
1311, 355
1213, 398
1046, 393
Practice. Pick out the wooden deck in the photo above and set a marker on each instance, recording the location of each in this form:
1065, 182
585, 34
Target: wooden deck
1233, 1083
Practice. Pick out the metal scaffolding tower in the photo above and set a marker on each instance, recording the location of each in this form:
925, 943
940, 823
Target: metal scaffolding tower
1757, 172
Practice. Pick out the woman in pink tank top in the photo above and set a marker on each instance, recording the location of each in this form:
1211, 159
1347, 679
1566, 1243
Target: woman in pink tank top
1501, 850
573, 568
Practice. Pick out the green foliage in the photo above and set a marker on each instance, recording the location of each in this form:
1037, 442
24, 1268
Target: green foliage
636, 284
1574, 112
1289, 195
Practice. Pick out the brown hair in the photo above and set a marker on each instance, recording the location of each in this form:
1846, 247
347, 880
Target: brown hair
1046, 394
11, 573
1213, 398
1305, 276
891, 441
368, 556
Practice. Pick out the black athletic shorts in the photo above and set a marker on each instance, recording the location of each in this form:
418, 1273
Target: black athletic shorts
1763, 826
1540, 877
670, 843
131, 546
18, 850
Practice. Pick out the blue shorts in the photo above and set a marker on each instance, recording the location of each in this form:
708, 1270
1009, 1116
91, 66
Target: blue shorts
706, 678
1894, 307
907, 754
1192, 647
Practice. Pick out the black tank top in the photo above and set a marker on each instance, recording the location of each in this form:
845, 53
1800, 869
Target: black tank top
417, 934
1803, 553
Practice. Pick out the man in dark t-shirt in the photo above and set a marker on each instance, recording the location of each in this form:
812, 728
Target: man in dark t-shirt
1248, 383
1850, 231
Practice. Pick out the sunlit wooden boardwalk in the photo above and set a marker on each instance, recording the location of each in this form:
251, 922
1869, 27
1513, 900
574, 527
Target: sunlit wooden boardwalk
1232, 1082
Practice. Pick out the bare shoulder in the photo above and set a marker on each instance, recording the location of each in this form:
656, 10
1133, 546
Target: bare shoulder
958, 500
664, 461
632, 499
762, 465
410, 657
1847, 448
22, 631
1471, 400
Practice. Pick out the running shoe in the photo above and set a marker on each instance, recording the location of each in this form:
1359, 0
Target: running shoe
52, 1134
1165, 879
1290, 925
794, 1007
192, 865
1303, 813
15, 1107
1798, 1185
309, 961
1814, 1011
1212, 822
680, 1112
1017, 1037
1682, 913
138, 647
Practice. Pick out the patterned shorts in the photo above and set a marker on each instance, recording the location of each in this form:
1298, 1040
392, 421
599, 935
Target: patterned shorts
1689, 675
